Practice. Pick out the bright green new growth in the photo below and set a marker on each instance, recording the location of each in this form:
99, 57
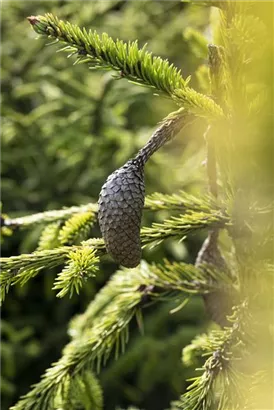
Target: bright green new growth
76, 228
80, 267
49, 238
81, 391
182, 225
137, 65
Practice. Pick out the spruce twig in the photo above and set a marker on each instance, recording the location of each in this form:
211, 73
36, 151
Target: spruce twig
154, 202
183, 225
137, 65
48, 216
77, 228
81, 265
108, 332
103, 328
21, 268
224, 347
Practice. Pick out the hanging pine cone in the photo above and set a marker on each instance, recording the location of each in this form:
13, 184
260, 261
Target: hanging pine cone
122, 198
219, 303
120, 209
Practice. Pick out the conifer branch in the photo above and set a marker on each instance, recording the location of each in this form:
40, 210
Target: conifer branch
137, 65
81, 392
167, 280
180, 201
103, 328
108, 332
81, 265
19, 269
154, 202
49, 216
49, 238
183, 225
195, 350
198, 104
76, 228
225, 348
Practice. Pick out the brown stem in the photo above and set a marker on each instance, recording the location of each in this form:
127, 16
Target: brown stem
167, 130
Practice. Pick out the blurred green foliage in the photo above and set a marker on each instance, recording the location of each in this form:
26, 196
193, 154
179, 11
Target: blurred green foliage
64, 130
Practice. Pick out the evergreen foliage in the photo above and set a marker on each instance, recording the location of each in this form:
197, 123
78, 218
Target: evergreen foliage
80, 266
232, 361
76, 228
135, 64
19, 269
103, 328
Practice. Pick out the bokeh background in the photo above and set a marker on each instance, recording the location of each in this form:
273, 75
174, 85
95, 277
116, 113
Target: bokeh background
65, 128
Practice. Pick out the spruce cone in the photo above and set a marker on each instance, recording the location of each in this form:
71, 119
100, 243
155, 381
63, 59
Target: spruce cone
122, 198
120, 210
218, 304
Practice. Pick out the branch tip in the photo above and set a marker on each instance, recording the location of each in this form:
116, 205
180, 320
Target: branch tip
33, 20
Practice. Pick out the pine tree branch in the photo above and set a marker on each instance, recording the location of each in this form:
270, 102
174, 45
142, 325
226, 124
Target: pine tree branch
77, 228
19, 269
48, 216
165, 281
181, 201
108, 332
103, 328
183, 225
155, 202
137, 65
81, 265
225, 348
198, 104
